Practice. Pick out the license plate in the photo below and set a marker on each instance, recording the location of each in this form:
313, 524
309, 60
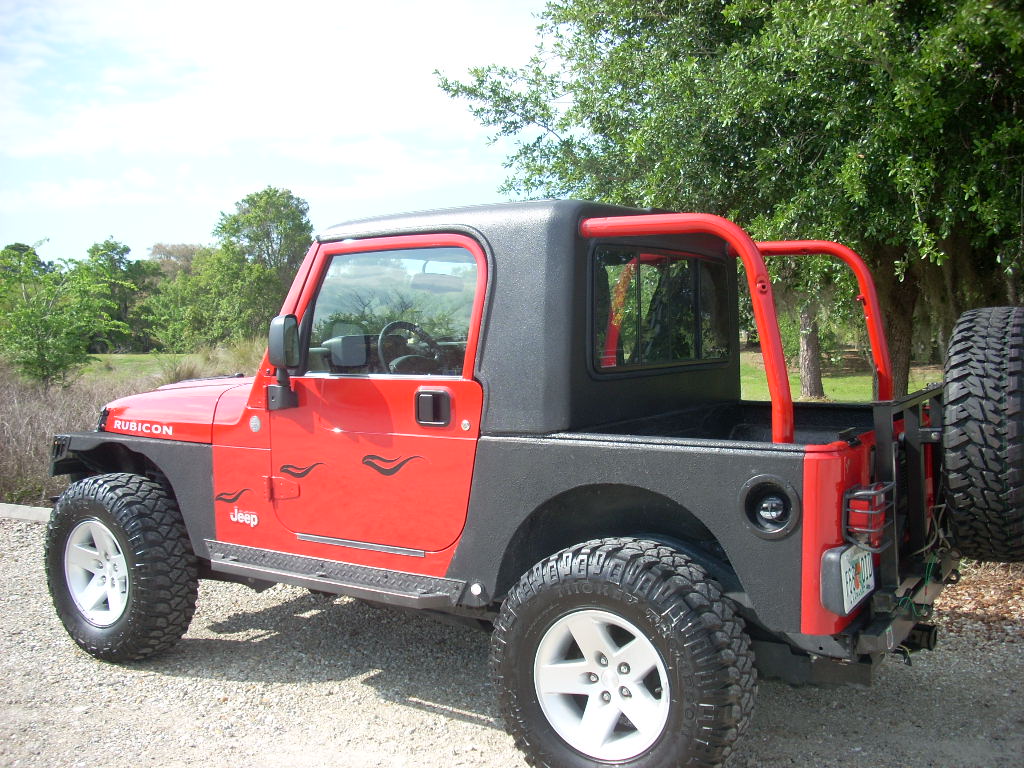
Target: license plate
858, 573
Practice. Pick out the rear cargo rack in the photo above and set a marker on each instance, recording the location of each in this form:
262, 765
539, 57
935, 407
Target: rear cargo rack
909, 469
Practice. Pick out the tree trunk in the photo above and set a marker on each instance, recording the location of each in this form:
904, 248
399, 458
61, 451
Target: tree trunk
899, 328
810, 353
898, 299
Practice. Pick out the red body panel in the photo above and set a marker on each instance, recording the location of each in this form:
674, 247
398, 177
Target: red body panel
182, 411
829, 470
352, 463
241, 462
244, 509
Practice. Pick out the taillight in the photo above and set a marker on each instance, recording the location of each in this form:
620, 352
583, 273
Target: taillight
866, 511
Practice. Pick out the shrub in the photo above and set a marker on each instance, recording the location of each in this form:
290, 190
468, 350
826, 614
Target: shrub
241, 356
31, 414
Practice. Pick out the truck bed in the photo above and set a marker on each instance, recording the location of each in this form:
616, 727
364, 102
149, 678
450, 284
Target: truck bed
747, 421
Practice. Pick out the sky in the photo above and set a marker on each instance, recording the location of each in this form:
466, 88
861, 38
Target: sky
144, 120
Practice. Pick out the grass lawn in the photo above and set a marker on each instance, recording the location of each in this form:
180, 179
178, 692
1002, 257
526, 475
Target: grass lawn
127, 367
839, 386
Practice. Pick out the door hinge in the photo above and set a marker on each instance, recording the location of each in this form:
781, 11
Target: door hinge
281, 488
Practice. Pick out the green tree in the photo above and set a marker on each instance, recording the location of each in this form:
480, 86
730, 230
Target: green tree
220, 298
128, 282
269, 228
893, 126
49, 314
173, 258
229, 292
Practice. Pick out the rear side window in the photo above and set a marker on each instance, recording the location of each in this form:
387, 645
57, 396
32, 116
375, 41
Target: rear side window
654, 309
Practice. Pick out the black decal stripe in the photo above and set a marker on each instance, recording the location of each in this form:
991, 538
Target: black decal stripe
300, 472
377, 463
231, 498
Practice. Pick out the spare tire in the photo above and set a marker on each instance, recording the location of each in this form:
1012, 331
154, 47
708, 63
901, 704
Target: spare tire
983, 442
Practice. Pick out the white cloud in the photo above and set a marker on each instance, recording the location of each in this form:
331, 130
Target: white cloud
193, 78
134, 186
145, 119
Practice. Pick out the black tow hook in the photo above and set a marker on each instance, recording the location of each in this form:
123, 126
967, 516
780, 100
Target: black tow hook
923, 637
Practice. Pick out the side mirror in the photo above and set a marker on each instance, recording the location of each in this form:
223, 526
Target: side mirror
283, 342
283, 352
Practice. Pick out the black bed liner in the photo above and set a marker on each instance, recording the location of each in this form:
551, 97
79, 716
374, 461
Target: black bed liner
748, 421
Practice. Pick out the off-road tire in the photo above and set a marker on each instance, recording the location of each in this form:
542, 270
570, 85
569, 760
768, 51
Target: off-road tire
149, 540
984, 434
708, 664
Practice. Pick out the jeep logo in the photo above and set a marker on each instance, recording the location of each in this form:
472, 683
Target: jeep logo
245, 518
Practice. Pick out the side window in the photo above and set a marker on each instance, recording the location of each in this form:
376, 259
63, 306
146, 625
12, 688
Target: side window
403, 312
656, 309
714, 310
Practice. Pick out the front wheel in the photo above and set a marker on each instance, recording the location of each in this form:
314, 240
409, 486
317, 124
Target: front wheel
120, 567
622, 652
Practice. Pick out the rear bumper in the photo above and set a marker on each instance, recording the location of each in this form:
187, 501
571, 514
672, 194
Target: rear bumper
894, 614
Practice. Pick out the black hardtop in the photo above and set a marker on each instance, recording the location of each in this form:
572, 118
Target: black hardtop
485, 219
534, 354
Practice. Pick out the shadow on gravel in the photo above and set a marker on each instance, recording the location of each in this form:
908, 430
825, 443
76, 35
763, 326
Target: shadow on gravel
940, 711
407, 657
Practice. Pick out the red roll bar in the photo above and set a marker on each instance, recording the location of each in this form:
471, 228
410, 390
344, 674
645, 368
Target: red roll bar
868, 297
765, 318
757, 278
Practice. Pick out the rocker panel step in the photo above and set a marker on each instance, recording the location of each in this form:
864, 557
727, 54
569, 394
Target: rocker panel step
377, 584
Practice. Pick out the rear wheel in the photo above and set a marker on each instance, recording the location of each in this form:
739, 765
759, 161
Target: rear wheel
984, 433
120, 567
622, 652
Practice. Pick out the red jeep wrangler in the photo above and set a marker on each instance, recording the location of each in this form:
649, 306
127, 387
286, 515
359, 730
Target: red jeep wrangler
529, 416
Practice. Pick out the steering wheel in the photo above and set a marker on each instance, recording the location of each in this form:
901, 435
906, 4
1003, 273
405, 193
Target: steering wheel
425, 337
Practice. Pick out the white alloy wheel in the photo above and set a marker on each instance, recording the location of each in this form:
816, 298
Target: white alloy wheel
96, 573
602, 685
120, 566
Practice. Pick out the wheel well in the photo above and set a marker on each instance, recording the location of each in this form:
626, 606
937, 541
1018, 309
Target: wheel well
599, 511
114, 457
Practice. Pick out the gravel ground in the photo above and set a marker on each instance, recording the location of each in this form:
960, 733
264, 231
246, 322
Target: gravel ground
285, 678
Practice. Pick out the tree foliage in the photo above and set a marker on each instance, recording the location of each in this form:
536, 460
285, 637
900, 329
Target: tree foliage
232, 290
894, 126
269, 228
51, 313
173, 258
221, 297
129, 282
182, 297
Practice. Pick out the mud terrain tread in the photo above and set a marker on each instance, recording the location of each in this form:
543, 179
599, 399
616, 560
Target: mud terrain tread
697, 613
164, 581
984, 435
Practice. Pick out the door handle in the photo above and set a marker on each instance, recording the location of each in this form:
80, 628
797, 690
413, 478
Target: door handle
433, 408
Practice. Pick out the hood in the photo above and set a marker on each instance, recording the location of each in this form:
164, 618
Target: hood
182, 411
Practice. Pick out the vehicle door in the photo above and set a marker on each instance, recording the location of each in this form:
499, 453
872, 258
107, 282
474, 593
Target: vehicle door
379, 453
